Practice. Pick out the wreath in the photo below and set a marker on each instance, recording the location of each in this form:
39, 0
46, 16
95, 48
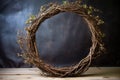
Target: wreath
28, 43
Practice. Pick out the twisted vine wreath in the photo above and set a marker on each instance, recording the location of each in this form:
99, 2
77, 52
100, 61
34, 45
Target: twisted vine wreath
28, 42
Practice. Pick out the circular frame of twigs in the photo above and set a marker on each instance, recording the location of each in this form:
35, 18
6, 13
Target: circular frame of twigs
28, 42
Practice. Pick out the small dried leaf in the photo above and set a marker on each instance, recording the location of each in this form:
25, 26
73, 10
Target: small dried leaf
90, 7
18, 54
100, 22
42, 8
25, 61
89, 12
103, 35
97, 16
84, 6
65, 2
30, 19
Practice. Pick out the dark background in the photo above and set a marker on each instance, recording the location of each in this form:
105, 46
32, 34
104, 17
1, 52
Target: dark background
63, 39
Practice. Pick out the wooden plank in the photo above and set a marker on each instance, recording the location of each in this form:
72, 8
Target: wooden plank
19, 71
92, 70
37, 77
102, 73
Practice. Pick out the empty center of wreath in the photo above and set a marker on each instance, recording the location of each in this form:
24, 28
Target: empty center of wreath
63, 40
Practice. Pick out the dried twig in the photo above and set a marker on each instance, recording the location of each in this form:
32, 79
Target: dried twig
28, 41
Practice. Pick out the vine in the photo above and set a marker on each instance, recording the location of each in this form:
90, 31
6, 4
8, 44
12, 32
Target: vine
28, 42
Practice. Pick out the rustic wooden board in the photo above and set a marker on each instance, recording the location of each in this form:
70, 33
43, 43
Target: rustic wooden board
101, 73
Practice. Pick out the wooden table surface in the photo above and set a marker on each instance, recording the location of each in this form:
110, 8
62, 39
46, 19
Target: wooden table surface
94, 73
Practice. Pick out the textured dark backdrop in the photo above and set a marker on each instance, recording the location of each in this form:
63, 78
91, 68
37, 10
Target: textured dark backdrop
62, 39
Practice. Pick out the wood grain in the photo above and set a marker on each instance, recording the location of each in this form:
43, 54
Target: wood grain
101, 73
